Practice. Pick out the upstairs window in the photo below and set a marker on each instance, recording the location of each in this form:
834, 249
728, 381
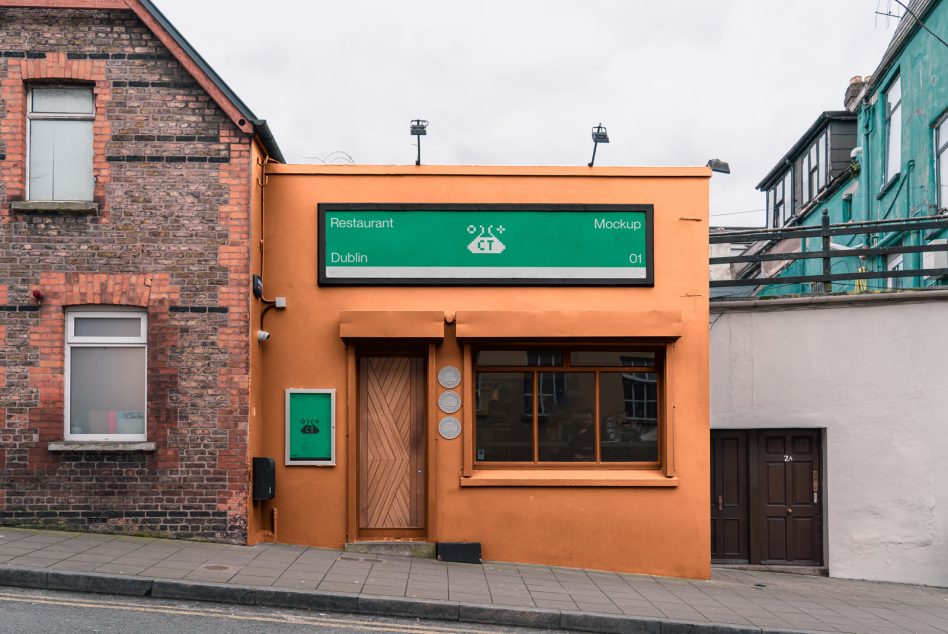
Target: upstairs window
567, 407
941, 161
895, 262
59, 144
105, 374
893, 130
815, 170
779, 201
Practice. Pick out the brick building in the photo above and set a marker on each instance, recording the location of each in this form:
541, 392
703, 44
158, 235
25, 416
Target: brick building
125, 196
133, 393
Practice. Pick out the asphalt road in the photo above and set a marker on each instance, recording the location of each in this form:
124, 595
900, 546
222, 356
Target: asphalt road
24, 610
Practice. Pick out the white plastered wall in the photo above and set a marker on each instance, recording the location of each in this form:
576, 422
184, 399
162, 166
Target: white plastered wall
874, 375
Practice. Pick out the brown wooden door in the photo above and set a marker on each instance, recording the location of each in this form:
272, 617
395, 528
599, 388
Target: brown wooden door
729, 497
789, 466
391, 497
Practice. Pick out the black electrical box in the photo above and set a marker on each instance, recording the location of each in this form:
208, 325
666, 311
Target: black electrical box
264, 479
461, 552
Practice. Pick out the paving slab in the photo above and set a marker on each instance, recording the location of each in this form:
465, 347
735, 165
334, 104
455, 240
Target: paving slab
502, 593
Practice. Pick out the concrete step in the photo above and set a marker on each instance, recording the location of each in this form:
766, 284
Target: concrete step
811, 571
422, 550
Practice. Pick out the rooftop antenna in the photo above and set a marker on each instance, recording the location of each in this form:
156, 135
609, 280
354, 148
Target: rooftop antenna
887, 14
419, 128
599, 135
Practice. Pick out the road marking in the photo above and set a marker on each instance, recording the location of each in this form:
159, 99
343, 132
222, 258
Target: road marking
369, 626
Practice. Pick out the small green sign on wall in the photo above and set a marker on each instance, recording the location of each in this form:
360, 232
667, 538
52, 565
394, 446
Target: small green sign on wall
310, 427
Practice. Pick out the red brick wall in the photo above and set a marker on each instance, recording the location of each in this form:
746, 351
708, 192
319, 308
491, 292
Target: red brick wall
171, 234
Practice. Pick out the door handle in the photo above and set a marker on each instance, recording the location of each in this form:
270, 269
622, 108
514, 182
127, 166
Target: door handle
789, 511
720, 502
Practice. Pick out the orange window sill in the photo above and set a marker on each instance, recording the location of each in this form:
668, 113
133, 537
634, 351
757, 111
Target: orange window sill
569, 478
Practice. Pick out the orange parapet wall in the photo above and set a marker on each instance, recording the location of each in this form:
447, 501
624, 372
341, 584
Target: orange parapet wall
605, 464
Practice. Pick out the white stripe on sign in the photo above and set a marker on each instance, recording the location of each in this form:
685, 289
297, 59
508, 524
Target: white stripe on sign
486, 272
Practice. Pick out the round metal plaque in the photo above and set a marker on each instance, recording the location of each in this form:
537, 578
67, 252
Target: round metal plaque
449, 377
449, 427
449, 402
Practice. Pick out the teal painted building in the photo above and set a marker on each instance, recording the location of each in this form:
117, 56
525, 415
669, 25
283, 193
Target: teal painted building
884, 158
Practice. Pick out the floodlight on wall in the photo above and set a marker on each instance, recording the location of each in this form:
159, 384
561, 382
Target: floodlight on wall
717, 165
599, 135
419, 128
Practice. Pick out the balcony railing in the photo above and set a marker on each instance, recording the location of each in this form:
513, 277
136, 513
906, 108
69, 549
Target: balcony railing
823, 282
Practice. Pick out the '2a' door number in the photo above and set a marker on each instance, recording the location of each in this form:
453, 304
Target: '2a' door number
788, 458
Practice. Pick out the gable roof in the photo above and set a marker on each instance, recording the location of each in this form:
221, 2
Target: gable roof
153, 19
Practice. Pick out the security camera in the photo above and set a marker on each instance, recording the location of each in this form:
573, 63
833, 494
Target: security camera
263, 335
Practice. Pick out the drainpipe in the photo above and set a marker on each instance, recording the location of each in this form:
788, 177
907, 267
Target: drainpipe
866, 165
904, 181
914, 237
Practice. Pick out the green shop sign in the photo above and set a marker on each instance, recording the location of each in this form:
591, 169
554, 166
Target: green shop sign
310, 427
373, 244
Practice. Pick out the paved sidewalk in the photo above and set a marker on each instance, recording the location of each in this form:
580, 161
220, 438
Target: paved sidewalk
504, 593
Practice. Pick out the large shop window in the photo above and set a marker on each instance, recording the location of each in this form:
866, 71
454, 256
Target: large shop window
567, 407
105, 375
59, 144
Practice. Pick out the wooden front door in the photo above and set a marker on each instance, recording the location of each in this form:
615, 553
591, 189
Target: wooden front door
766, 496
788, 463
729, 497
391, 436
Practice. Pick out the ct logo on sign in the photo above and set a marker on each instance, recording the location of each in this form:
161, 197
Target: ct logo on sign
486, 241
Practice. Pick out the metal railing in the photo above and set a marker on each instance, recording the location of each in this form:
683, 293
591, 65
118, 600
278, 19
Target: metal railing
827, 253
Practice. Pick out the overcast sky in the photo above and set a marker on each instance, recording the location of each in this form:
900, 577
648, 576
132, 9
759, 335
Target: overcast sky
521, 82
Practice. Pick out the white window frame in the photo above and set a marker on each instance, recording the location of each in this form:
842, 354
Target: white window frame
895, 262
72, 341
940, 145
50, 116
888, 116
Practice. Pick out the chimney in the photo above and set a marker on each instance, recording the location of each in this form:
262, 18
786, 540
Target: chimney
856, 84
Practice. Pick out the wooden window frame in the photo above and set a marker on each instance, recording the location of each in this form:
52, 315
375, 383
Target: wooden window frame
658, 368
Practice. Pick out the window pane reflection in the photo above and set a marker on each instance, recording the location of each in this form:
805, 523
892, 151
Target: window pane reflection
565, 417
519, 358
107, 390
504, 416
63, 100
108, 327
628, 411
611, 358
61, 160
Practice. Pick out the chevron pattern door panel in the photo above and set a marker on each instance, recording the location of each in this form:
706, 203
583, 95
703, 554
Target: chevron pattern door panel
391, 443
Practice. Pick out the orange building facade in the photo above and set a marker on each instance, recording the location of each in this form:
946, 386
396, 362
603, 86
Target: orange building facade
550, 418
